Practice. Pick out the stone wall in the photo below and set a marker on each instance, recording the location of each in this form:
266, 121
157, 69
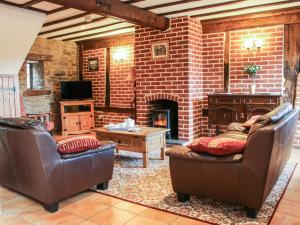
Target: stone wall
62, 67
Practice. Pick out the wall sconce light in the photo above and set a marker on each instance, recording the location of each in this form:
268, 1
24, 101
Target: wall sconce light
253, 45
120, 54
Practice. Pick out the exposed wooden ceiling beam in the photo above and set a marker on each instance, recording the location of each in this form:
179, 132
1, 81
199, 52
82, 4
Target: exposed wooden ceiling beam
107, 42
170, 4
208, 27
133, 1
95, 34
60, 9
257, 7
84, 30
119, 9
72, 26
202, 7
253, 15
65, 19
20, 6
31, 3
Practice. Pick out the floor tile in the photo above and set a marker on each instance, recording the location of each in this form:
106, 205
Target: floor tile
76, 198
6, 194
60, 218
283, 219
12, 220
187, 221
159, 215
141, 220
112, 216
104, 199
134, 208
290, 208
85, 208
87, 223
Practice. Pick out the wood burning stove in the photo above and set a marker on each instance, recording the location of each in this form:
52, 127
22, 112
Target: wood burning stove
161, 119
165, 115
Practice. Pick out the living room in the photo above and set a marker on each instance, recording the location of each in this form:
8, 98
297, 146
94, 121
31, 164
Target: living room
109, 107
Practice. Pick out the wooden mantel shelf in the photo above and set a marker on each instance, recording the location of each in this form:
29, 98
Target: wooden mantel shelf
29, 93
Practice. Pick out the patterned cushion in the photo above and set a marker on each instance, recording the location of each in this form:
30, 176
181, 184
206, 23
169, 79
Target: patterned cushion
77, 144
218, 145
248, 124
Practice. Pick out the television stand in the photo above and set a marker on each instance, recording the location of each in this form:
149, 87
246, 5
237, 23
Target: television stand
77, 116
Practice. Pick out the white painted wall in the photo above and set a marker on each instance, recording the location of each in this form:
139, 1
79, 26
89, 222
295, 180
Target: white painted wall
18, 30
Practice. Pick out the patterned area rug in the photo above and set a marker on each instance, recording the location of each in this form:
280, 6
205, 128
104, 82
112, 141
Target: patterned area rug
152, 187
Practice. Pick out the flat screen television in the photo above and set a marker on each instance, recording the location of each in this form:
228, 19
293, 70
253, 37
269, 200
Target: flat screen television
76, 90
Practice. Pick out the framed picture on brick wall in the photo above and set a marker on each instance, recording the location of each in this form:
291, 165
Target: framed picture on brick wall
160, 50
93, 64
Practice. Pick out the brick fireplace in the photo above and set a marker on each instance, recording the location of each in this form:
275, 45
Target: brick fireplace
177, 78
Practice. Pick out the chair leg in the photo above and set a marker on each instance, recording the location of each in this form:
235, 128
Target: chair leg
251, 212
103, 186
183, 197
52, 208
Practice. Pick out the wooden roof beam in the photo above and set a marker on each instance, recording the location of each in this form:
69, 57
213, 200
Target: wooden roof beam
31, 3
118, 9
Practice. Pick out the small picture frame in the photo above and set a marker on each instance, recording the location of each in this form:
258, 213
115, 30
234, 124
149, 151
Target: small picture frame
93, 64
160, 50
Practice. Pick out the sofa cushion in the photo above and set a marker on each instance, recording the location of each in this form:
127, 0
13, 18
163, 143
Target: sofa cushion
248, 124
218, 145
272, 117
185, 153
77, 144
105, 145
22, 123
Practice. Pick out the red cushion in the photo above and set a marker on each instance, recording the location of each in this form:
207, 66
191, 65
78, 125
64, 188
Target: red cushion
248, 124
77, 144
218, 145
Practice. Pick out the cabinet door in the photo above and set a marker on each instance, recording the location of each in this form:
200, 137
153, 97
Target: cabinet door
253, 110
71, 123
85, 122
225, 115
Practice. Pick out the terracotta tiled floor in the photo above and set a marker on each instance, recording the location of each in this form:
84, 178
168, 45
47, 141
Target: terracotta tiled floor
91, 208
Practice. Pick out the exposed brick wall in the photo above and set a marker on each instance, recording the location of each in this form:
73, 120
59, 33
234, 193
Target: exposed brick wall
122, 91
174, 75
213, 69
120, 85
195, 76
104, 118
97, 77
270, 77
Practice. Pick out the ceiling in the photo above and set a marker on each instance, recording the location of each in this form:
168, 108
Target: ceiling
69, 24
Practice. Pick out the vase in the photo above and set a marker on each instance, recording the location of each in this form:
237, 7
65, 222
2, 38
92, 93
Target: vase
252, 88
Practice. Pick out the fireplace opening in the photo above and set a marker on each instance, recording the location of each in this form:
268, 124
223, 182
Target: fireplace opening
164, 114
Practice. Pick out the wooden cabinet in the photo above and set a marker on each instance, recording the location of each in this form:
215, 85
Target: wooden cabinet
77, 116
224, 109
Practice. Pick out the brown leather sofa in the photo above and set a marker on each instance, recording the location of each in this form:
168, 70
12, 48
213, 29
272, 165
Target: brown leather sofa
245, 179
30, 164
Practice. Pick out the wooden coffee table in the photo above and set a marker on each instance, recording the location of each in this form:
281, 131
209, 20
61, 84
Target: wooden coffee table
144, 141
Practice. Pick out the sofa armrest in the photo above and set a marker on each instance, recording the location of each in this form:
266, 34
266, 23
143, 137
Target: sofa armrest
181, 152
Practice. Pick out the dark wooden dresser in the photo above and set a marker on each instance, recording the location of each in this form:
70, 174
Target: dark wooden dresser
224, 109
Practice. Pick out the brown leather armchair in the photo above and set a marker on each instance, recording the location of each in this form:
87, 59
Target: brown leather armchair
31, 164
242, 179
